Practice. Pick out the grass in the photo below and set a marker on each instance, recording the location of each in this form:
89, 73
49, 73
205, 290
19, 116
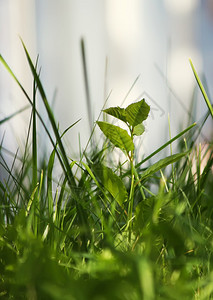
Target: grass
100, 231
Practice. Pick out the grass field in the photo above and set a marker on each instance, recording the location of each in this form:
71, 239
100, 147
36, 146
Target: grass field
99, 231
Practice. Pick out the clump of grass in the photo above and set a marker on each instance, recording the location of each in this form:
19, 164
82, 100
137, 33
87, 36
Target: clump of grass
101, 232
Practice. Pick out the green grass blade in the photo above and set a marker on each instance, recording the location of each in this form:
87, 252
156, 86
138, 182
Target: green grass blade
139, 183
130, 89
31, 202
30, 101
14, 114
111, 182
49, 183
34, 148
162, 163
205, 96
165, 145
207, 170
65, 166
171, 152
89, 170
16, 182
69, 127
86, 81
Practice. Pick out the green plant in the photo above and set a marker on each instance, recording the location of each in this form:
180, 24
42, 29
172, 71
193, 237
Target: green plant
133, 116
100, 230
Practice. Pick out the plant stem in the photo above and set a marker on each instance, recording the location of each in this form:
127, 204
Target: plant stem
131, 194
34, 157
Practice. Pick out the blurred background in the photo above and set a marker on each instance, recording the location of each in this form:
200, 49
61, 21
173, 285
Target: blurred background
134, 49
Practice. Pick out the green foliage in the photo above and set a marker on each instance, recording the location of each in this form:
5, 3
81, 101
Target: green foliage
101, 231
118, 136
138, 129
162, 163
117, 112
133, 114
111, 182
137, 112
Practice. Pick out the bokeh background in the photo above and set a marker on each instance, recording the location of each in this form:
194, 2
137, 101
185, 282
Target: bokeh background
143, 44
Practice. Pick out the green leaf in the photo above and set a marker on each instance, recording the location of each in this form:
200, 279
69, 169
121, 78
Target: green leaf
162, 164
137, 112
118, 136
117, 112
111, 182
138, 129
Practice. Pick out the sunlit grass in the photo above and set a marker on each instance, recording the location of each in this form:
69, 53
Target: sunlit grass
73, 237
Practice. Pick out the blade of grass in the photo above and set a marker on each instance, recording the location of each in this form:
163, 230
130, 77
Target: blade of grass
49, 183
86, 82
34, 153
16, 182
165, 145
130, 89
30, 101
205, 96
14, 114
21, 177
62, 155
91, 135
82, 213
66, 165
69, 127
170, 135
162, 163
101, 189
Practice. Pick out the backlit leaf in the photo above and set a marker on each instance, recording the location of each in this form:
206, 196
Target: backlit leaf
117, 112
138, 129
162, 164
137, 112
118, 136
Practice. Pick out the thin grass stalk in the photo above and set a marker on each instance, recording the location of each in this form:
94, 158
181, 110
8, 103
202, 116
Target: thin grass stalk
66, 165
11, 204
205, 96
131, 194
131, 200
39, 116
16, 181
139, 184
34, 155
12, 167
198, 169
171, 152
130, 89
61, 158
86, 82
24, 160
165, 145
14, 114
102, 190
